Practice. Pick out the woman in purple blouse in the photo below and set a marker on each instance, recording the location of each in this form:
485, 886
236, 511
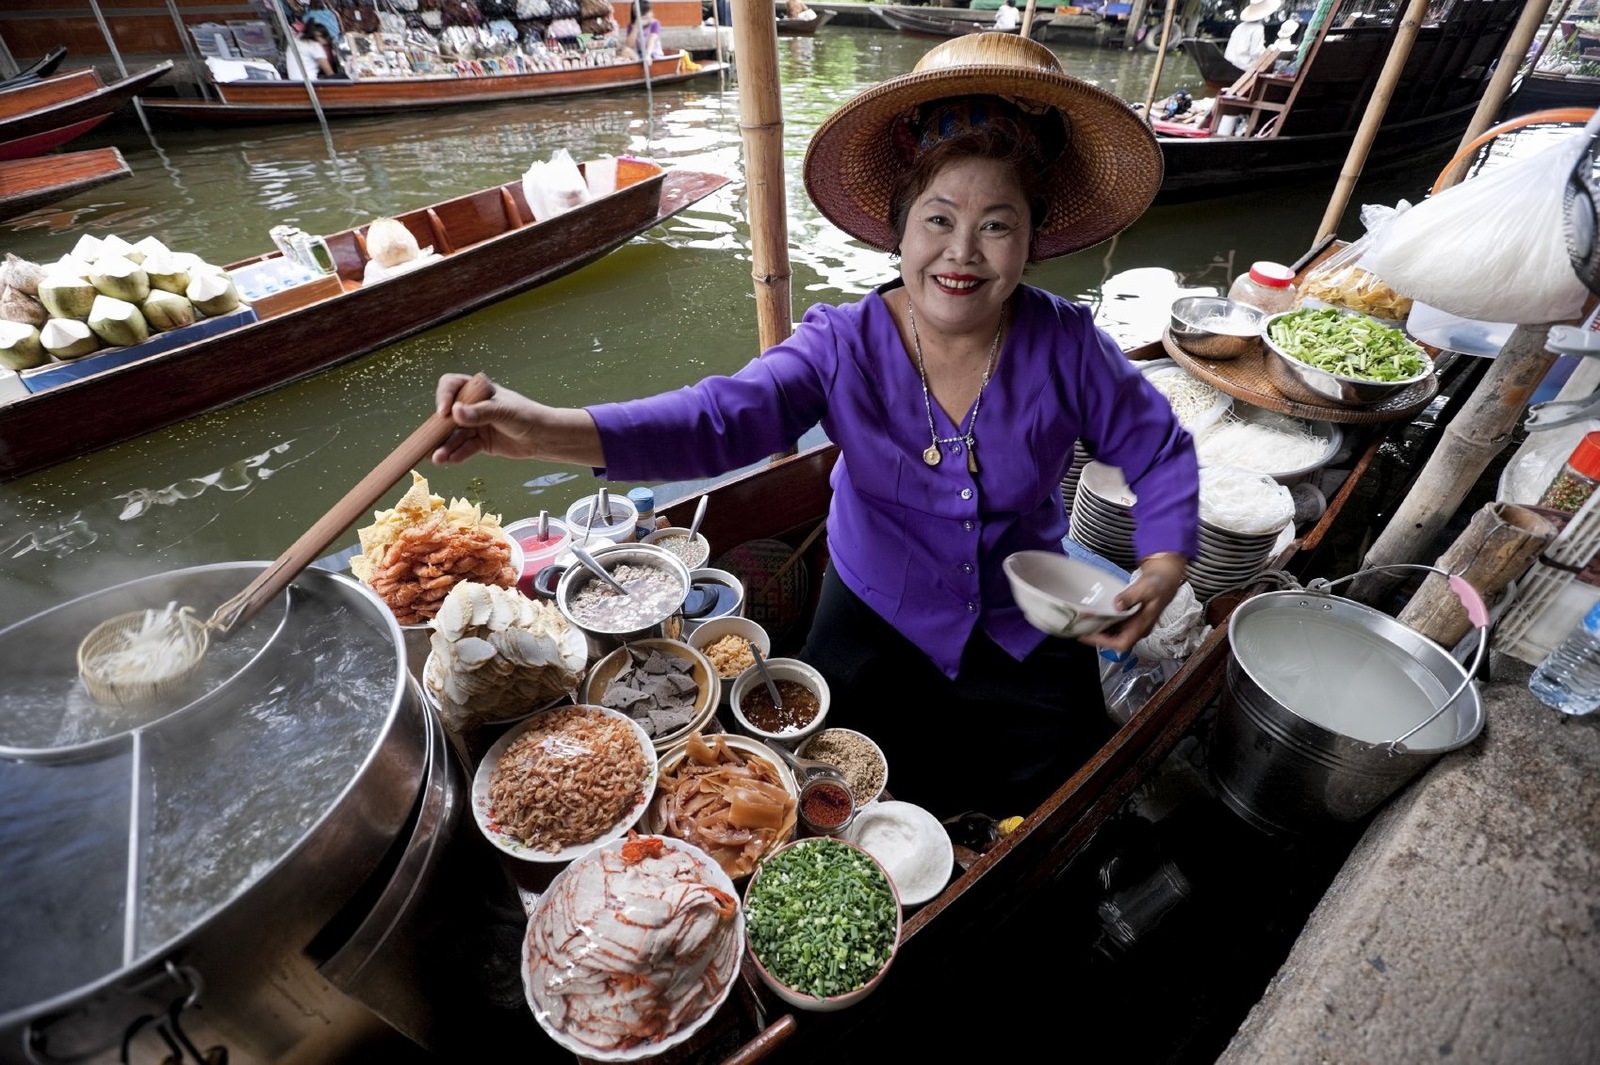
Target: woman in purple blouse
955, 394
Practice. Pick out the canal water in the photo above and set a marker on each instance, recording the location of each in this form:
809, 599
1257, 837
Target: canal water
663, 311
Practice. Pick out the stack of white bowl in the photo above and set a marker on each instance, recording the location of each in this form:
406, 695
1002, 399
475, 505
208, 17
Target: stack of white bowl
1102, 520
1069, 483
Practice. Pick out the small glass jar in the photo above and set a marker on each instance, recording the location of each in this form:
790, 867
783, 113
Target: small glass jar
1572, 487
644, 501
1268, 287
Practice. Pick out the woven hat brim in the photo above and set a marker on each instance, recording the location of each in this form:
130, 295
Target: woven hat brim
1106, 178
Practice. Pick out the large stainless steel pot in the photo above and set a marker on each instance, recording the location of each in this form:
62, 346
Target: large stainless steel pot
602, 641
201, 857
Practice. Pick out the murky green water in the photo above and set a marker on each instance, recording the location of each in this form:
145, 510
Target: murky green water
663, 311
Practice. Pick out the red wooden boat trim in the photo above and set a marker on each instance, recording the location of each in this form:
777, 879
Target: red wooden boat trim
73, 419
285, 101
95, 104
31, 95
29, 183
36, 145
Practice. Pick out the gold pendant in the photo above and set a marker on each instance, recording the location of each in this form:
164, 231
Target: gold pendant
972, 459
931, 456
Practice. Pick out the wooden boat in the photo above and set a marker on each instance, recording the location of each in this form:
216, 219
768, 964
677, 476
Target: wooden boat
920, 22
1293, 125
29, 183
803, 27
42, 115
288, 101
1543, 91
42, 68
1215, 71
489, 247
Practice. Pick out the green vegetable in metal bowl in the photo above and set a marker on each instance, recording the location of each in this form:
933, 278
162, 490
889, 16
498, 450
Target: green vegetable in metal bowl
821, 917
1350, 345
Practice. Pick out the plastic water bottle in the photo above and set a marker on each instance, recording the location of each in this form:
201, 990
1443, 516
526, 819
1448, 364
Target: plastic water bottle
1569, 679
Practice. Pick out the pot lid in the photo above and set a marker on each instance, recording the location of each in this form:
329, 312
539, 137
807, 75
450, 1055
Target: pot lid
120, 835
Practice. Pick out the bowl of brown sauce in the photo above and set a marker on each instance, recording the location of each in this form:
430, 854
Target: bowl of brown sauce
803, 695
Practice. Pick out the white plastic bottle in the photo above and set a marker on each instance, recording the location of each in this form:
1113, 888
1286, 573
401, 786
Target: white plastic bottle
1569, 679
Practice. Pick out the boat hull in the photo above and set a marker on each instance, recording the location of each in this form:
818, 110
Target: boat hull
29, 183
74, 419
1542, 92
288, 101
49, 125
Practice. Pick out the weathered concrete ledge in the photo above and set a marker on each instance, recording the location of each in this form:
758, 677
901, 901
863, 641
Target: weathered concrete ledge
1463, 925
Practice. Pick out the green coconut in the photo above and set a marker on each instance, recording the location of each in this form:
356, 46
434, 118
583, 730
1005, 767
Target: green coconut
212, 294
115, 245
66, 296
18, 306
120, 278
68, 338
118, 322
145, 248
166, 272
167, 310
19, 346
89, 248
70, 265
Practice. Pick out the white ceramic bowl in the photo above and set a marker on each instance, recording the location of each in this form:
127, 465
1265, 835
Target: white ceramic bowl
805, 751
799, 999
693, 560
791, 669
709, 632
723, 975
1063, 596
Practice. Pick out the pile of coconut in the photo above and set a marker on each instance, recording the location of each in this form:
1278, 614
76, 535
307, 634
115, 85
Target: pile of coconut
104, 293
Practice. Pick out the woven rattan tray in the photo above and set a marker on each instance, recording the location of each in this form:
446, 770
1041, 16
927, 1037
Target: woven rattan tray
1246, 378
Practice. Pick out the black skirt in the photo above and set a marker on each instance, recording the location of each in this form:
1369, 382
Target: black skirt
997, 739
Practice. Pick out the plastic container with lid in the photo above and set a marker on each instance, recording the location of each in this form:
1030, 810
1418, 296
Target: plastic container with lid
1269, 286
644, 501
1579, 475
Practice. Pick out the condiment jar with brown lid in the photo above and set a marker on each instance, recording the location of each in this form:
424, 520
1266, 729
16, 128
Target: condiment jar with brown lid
1579, 475
1268, 286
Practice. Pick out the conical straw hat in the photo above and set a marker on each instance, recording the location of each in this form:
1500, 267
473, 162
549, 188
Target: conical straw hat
1101, 182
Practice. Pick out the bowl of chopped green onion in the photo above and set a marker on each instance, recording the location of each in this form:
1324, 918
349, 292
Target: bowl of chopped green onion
1329, 356
822, 920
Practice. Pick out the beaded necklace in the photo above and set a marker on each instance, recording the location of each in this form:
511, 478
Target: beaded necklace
963, 436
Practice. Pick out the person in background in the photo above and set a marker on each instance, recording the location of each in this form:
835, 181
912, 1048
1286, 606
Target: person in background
646, 27
955, 394
319, 53
1248, 41
1007, 17
797, 9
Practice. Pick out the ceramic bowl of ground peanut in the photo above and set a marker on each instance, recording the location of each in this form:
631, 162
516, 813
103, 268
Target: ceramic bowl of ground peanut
865, 769
726, 643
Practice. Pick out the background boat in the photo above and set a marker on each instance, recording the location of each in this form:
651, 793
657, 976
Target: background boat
803, 27
29, 183
39, 116
489, 247
924, 22
41, 68
288, 101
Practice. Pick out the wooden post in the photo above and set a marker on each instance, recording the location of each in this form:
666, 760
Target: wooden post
1494, 97
755, 53
1130, 37
1399, 51
1026, 29
1474, 436
1498, 545
1161, 58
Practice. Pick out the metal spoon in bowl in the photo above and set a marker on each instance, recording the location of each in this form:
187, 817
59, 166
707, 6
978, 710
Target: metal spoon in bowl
699, 516
808, 769
588, 560
766, 677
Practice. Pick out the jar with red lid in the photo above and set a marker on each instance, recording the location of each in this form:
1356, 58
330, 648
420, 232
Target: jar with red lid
1268, 286
1579, 475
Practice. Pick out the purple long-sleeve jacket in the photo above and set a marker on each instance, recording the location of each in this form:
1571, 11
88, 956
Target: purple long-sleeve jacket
923, 545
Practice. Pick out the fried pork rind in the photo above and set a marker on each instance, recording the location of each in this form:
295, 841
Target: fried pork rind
498, 655
414, 554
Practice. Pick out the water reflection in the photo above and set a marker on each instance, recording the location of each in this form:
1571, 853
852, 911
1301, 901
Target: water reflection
660, 312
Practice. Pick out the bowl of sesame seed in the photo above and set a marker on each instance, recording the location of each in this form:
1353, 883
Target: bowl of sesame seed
865, 769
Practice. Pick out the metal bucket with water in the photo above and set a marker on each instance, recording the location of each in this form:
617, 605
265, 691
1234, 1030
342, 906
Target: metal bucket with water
1331, 707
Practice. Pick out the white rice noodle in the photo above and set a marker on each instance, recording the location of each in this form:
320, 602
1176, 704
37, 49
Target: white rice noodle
1267, 444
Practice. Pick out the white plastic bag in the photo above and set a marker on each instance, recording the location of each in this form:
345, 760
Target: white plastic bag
1179, 631
1491, 248
554, 187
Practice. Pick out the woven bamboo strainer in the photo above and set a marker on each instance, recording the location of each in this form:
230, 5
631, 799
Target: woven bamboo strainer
192, 637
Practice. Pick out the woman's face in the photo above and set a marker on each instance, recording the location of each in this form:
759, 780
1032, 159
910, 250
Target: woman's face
965, 245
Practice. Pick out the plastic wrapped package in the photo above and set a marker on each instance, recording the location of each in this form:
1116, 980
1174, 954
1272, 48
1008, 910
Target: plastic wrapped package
1344, 280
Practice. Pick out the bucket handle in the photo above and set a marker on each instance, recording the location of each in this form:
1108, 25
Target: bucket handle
1477, 613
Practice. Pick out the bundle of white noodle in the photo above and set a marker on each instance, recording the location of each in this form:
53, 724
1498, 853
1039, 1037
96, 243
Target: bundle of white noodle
1265, 442
160, 649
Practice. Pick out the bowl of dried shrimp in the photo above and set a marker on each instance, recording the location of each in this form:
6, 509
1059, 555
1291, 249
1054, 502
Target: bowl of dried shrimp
564, 782
607, 988
728, 795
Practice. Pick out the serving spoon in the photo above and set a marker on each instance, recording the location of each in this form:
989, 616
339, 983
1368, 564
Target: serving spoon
808, 769
766, 677
699, 516
589, 563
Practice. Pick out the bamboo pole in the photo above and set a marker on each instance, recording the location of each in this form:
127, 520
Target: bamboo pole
1494, 97
1161, 58
755, 55
116, 57
307, 77
1399, 52
1498, 546
1026, 29
1478, 432
189, 49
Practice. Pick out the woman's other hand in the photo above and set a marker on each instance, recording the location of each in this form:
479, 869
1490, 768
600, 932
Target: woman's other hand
511, 425
1158, 581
